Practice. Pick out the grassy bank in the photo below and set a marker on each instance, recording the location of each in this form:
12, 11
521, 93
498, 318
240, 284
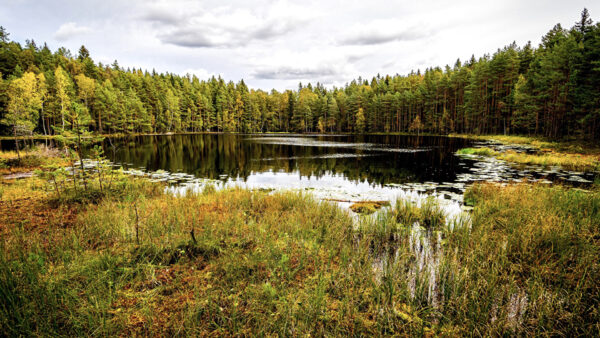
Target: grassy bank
134, 260
31, 159
572, 145
568, 161
572, 154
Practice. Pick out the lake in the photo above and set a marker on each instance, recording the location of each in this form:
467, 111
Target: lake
341, 167
334, 167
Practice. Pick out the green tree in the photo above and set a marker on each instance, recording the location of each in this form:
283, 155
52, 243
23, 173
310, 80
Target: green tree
360, 121
86, 89
416, 125
62, 84
23, 103
42, 92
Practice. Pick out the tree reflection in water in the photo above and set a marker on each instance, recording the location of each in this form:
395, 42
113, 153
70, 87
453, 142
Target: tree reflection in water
373, 159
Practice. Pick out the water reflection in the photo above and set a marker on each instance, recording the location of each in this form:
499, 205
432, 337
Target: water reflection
376, 160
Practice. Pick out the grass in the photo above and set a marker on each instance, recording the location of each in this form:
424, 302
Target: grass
232, 262
566, 160
368, 207
428, 214
31, 159
525, 264
539, 242
572, 154
135, 260
566, 145
569, 161
477, 151
572, 146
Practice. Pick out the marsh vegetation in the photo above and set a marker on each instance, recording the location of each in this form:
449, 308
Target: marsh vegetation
121, 255
142, 261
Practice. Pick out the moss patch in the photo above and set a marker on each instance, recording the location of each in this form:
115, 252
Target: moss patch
368, 207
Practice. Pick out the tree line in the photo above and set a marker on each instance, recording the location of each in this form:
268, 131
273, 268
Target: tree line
551, 90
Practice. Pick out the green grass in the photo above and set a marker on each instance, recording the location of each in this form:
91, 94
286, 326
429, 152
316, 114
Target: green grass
541, 242
477, 151
566, 160
527, 263
142, 262
368, 207
569, 161
565, 145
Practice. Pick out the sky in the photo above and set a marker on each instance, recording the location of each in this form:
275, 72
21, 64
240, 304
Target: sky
277, 44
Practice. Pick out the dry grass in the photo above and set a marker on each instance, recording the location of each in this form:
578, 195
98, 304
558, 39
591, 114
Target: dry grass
31, 159
237, 262
569, 155
566, 160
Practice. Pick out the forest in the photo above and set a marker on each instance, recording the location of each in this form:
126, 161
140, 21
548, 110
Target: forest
552, 90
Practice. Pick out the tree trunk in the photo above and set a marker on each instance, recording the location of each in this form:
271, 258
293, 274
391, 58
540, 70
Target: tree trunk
16, 143
62, 115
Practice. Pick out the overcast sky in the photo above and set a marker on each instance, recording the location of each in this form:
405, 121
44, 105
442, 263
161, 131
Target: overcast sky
276, 44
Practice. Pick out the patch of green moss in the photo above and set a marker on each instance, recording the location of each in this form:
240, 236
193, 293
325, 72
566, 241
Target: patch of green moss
368, 207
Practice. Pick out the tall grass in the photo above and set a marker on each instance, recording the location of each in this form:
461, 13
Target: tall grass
237, 262
533, 246
569, 161
525, 264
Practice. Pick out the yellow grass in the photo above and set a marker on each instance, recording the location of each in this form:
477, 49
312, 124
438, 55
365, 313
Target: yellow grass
565, 160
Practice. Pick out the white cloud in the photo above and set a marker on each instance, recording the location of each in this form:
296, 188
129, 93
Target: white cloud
69, 30
225, 27
384, 31
312, 65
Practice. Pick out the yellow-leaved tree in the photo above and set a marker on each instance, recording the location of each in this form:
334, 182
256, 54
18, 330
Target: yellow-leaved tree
62, 83
23, 104
360, 121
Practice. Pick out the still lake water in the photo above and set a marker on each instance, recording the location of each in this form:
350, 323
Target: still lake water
344, 167
335, 167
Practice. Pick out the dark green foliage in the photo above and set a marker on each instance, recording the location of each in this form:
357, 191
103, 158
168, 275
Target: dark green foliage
552, 90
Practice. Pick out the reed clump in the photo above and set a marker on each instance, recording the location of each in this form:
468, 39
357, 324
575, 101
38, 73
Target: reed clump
525, 262
533, 249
